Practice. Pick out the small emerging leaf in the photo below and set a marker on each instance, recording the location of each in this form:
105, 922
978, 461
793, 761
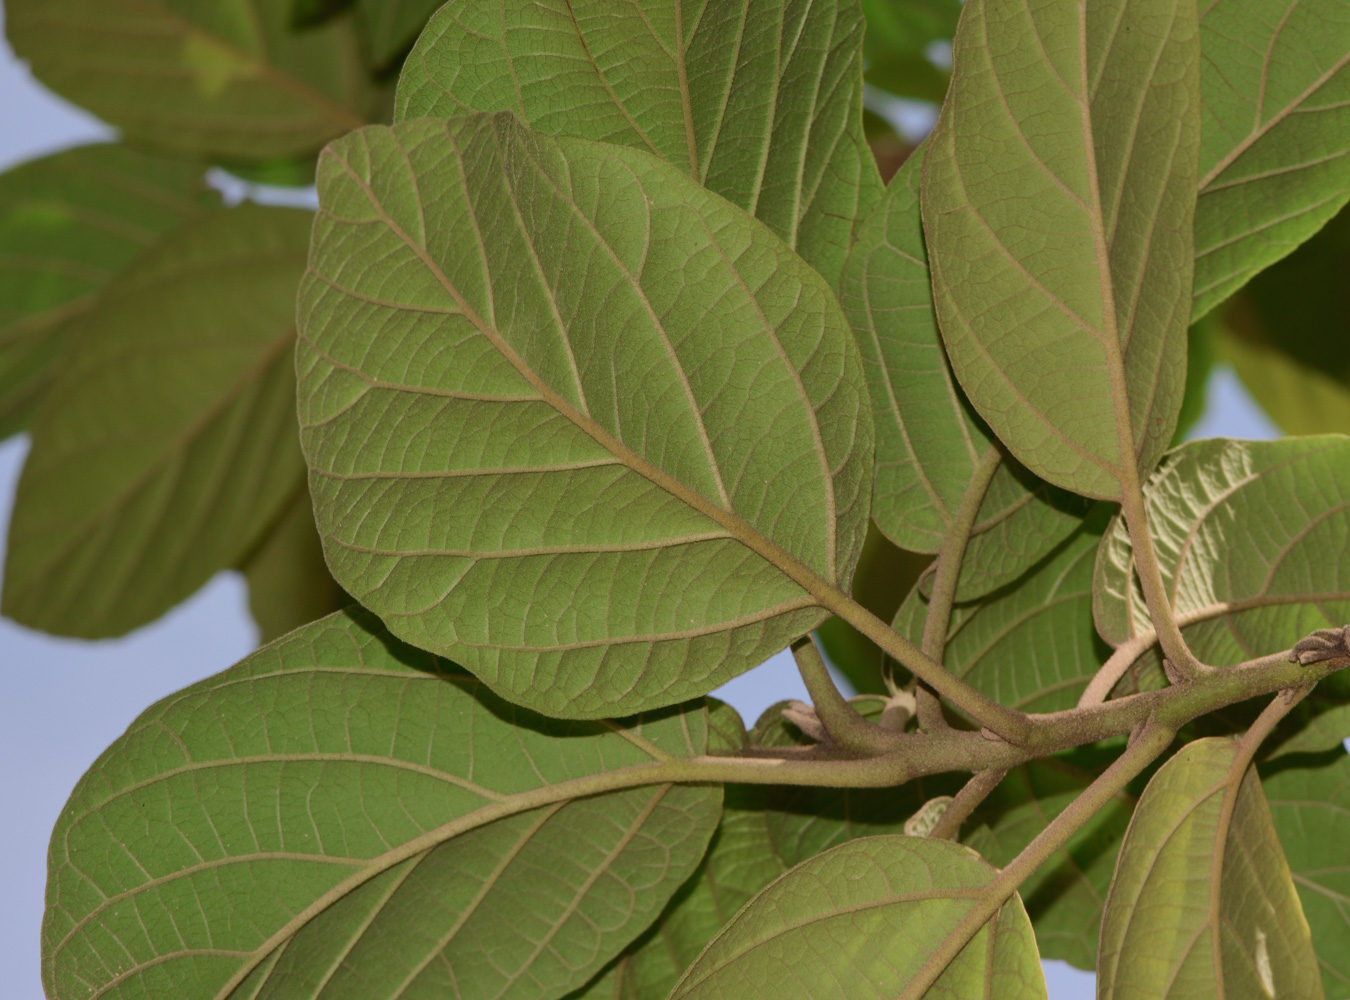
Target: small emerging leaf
860, 921
340, 814
1058, 195
623, 412
1202, 906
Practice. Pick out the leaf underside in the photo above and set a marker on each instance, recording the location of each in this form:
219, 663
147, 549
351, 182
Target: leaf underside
1202, 905
1248, 535
167, 445
1058, 198
860, 921
342, 816
761, 102
620, 409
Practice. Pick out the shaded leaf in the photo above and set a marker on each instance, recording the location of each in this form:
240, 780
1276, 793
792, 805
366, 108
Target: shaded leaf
342, 814
899, 36
1243, 532
168, 443
288, 582
1311, 810
1058, 198
610, 472
762, 102
1276, 115
1202, 905
1285, 335
929, 442
1325, 730
228, 78
860, 921
391, 26
1033, 646
68, 224
1066, 895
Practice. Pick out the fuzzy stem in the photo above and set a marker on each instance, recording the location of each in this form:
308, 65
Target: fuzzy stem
841, 720
967, 800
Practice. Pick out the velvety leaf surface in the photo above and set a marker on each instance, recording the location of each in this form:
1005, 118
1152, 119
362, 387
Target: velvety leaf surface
1203, 905
69, 223
622, 411
288, 582
762, 102
1033, 646
1285, 335
860, 921
341, 816
228, 78
1311, 809
1065, 896
1058, 199
167, 445
929, 441
1275, 133
392, 25
1248, 534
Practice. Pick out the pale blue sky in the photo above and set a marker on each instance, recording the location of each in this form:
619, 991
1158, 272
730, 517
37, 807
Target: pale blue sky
66, 700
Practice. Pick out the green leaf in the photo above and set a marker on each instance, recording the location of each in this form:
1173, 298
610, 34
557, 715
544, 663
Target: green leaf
1066, 895
1058, 195
1031, 647
899, 33
1285, 335
68, 224
860, 921
762, 102
929, 442
1326, 729
288, 582
1311, 810
228, 78
168, 443
342, 814
1202, 905
1273, 163
622, 484
1245, 533
391, 26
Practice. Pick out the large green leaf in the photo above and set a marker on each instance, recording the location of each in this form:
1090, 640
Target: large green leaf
762, 102
1311, 809
69, 223
929, 442
1246, 533
342, 816
1285, 335
1275, 134
392, 25
1066, 895
1058, 197
224, 78
288, 582
572, 420
1031, 647
168, 443
1202, 906
860, 921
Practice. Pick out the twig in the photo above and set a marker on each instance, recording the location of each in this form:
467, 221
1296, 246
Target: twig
841, 721
967, 800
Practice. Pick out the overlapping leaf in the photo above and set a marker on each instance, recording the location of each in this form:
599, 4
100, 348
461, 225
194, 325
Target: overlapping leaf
571, 419
762, 102
288, 582
340, 815
228, 78
860, 921
1031, 647
929, 443
1058, 198
1248, 534
1202, 905
168, 444
68, 224
1311, 810
1066, 895
1273, 163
